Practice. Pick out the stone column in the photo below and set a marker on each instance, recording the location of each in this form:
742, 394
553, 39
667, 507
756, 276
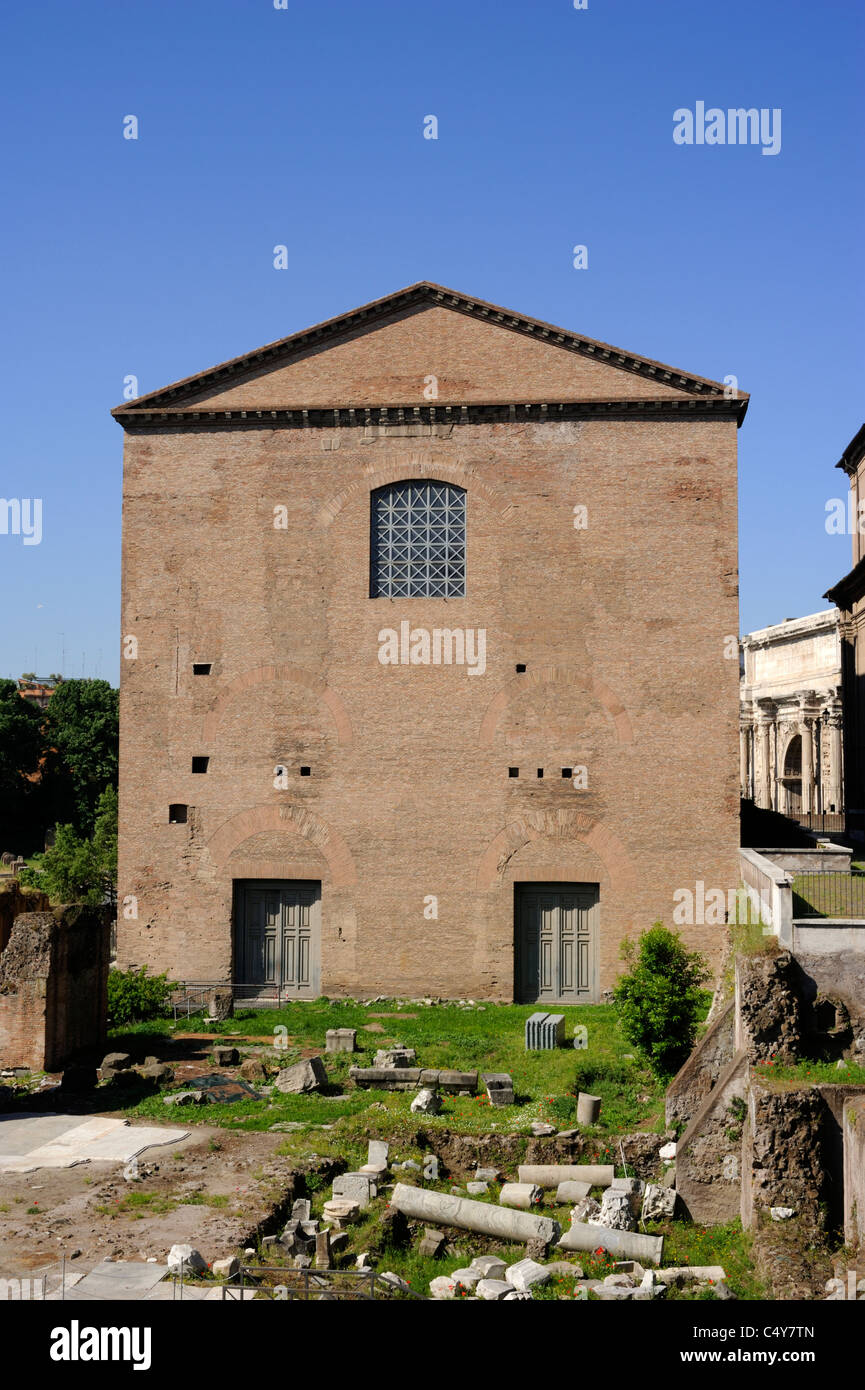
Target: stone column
743, 760
764, 785
836, 799
807, 767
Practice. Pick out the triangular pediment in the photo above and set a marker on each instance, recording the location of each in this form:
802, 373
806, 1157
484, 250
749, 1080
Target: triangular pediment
423, 344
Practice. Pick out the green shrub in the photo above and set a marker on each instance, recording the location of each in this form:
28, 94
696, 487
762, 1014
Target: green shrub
134, 996
658, 1000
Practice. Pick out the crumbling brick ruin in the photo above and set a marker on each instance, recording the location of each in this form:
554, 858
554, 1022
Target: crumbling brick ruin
749, 1143
53, 986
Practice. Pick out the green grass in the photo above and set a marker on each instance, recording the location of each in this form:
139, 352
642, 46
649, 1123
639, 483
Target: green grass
139, 1204
485, 1038
829, 895
811, 1073
691, 1243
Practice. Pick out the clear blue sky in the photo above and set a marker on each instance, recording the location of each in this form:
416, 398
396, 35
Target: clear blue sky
303, 126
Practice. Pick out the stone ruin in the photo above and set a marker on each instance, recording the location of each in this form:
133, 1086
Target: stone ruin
750, 1147
54, 986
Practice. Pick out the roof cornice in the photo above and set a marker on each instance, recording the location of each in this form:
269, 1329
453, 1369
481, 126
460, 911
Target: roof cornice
416, 296
850, 589
852, 455
135, 418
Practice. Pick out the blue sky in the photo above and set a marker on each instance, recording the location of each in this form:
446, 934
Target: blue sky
303, 127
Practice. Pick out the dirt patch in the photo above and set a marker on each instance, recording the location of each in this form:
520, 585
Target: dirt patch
373, 1027
401, 1015
216, 1189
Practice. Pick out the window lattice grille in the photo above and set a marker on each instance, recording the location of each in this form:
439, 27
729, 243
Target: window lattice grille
419, 541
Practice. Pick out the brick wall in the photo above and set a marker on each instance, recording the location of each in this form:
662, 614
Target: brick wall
53, 987
621, 628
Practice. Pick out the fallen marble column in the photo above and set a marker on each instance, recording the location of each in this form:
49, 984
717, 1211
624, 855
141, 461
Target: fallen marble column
551, 1174
442, 1209
628, 1245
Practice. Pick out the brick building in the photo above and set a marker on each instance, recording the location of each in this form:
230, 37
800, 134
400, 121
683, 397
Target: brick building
431, 678
849, 595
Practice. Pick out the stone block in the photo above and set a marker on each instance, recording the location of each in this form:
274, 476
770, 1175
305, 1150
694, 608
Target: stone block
391, 1058
357, 1187
116, 1061
563, 1269
225, 1056
432, 1244
489, 1266
253, 1069
499, 1087
220, 1005
426, 1102
185, 1259
342, 1211
487, 1175
659, 1203
184, 1098
586, 1209
588, 1109
493, 1289
442, 1287
160, 1072
303, 1077
525, 1274
467, 1277
616, 1212
341, 1040
572, 1192
477, 1189
524, 1195
226, 1269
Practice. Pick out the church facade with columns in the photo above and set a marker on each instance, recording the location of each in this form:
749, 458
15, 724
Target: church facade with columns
791, 716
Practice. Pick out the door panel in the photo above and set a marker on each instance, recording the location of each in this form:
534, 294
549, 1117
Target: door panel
556, 945
277, 936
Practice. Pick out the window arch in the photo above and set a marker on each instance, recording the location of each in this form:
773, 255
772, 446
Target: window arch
418, 541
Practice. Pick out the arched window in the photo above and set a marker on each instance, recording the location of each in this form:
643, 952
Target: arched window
418, 543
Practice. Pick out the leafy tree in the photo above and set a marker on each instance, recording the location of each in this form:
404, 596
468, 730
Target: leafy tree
658, 1000
77, 870
20, 747
81, 758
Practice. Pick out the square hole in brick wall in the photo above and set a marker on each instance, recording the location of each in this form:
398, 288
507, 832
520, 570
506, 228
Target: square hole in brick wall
520, 668
567, 772
177, 814
306, 772
202, 668
200, 764
513, 772
540, 772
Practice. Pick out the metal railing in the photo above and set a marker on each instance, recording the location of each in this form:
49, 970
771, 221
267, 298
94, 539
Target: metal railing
279, 1284
191, 996
830, 894
824, 822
